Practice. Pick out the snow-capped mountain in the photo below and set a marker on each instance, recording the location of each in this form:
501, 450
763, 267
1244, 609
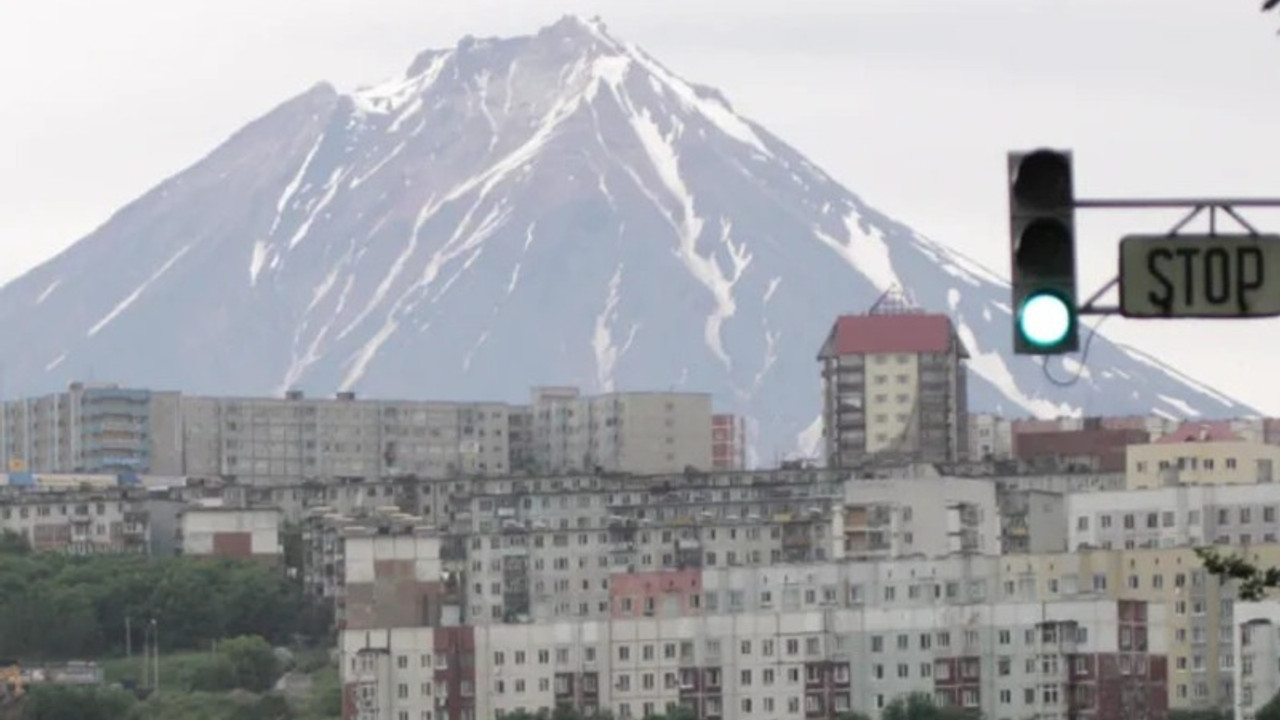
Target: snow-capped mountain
551, 209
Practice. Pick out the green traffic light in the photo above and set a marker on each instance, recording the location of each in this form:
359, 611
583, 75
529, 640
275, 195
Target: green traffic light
1045, 319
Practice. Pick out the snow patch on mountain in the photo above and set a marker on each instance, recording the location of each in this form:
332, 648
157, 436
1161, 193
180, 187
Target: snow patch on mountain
992, 367
1155, 364
809, 441
714, 110
331, 189
866, 252
44, 294
132, 297
606, 350
1180, 406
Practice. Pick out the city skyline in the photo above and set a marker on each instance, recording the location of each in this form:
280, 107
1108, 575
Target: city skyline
875, 70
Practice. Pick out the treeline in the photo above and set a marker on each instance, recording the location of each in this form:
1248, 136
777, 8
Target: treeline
234, 683
911, 706
60, 607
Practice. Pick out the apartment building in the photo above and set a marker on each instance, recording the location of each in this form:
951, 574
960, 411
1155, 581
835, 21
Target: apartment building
633, 432
800, 641
80, 522
534, 552
990, 437
270, 440
894, 389
728, 442
452, 506
331, 568
231, 532
1093, 447
925, 517
1059, 482
92, 428
1201, 453
1032, 521
1198, 628
1194, 515
1256, 662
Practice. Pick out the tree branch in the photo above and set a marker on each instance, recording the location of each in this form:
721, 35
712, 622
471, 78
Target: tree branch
1253, 580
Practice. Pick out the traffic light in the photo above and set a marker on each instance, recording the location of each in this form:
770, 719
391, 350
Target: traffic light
1042, 225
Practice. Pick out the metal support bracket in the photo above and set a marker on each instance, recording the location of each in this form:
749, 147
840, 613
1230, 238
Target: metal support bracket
1195, 208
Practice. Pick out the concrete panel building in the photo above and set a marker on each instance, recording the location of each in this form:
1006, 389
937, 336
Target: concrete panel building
339, 550
1093, 446
1254, 663
79, 522
633, 432
1208, 453
927, 517
990, 437
269, 440
1094, 658
728, 442
894, 390
1033, 521
93, 428
1186, 515
241, 533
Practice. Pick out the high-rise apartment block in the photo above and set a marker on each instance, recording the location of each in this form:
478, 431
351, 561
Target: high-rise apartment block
93, 428
728, 442
791, 641
259, 440
894, 389
636, 432
270, 440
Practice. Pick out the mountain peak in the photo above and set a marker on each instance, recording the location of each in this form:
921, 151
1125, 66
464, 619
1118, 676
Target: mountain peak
556, 208
578, 27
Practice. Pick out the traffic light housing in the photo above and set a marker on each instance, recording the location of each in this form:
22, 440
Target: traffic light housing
1042, 233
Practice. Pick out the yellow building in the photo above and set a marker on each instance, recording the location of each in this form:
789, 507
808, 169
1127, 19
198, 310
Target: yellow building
894, 388
1198, 632
1201, 454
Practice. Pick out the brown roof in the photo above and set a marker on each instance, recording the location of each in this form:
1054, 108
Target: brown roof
1218, 431
1107, 445
866, 334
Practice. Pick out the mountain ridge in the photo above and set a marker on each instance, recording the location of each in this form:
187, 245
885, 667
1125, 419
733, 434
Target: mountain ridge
546, 209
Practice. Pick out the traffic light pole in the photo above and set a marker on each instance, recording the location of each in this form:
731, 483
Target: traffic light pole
1196, 207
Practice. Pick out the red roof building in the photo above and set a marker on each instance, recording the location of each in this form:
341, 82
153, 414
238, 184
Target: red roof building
894, 389
1217, 431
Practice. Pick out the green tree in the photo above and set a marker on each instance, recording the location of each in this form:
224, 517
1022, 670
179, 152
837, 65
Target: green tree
213, 673
75, 702
291, 539
1252, 582
256, 666
568, 712
167, 705
1270, 711
1204, 714
921, 706
325, 701
12, 543
62, 607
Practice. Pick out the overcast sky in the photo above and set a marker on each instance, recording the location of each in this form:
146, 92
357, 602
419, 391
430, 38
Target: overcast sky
911, 104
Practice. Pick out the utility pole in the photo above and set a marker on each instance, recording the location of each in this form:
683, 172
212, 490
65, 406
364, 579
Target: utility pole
145, 677
128, 639
155, 639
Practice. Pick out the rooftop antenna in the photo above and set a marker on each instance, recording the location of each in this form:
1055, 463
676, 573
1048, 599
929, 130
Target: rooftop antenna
895, 301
